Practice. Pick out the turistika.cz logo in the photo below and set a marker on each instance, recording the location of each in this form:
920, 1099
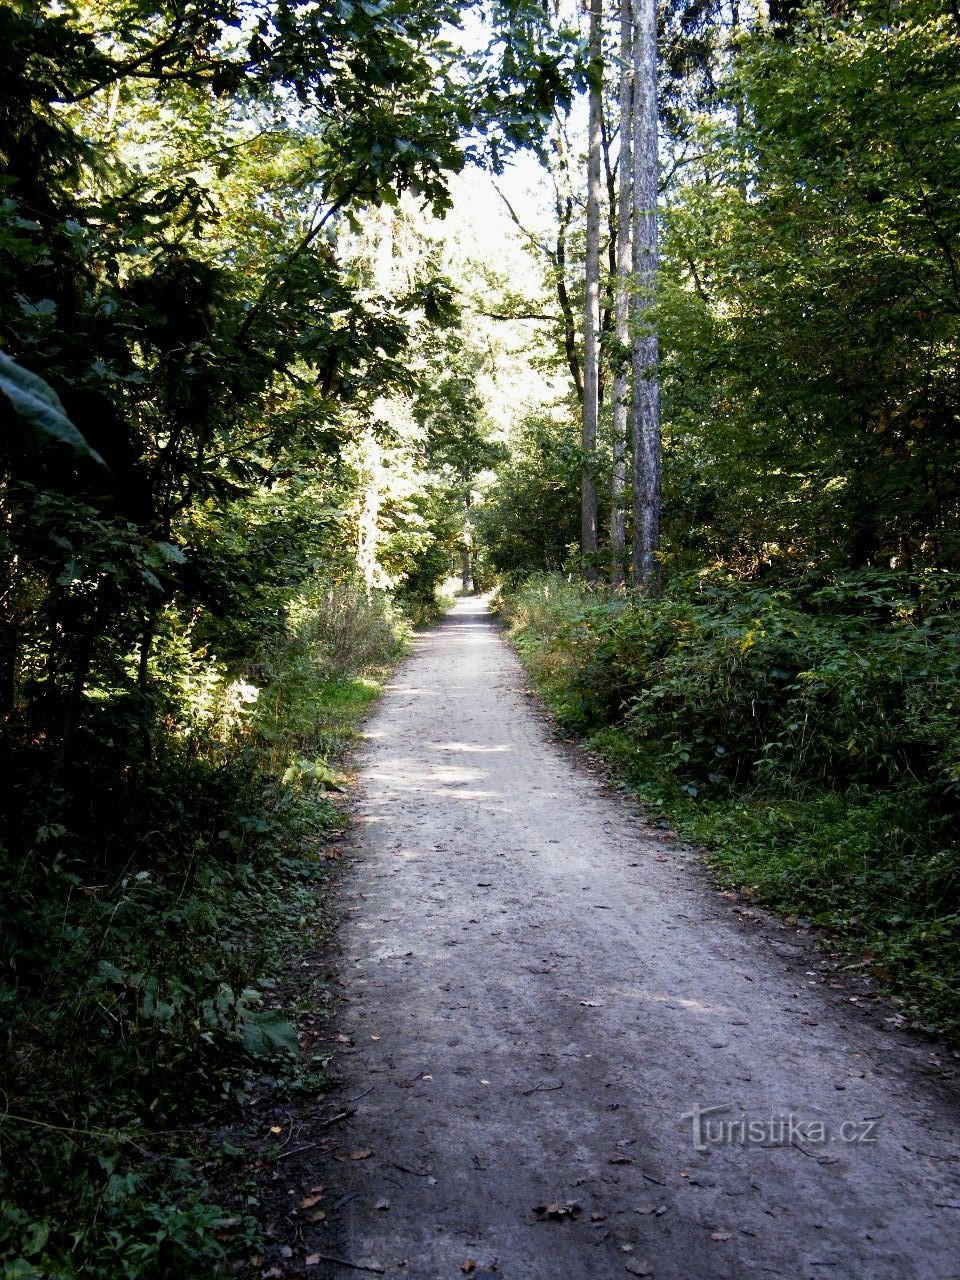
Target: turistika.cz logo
716, 1127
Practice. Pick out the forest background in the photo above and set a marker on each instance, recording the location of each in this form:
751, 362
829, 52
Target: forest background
278, 360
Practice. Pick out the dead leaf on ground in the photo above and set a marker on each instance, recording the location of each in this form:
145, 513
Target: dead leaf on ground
556, 1212
383, 1204
312, 1260
620, 1160
341, 1039
720, 1235
468, 1267
636, 1268
363, 1154
308, 1202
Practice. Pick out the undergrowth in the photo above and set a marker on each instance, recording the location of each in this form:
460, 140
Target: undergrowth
145, 915
805, 734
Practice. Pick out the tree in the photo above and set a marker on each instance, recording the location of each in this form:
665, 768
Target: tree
624, 220
645, 356
591, 313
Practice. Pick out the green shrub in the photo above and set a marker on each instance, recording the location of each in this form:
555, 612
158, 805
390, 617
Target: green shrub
145, 906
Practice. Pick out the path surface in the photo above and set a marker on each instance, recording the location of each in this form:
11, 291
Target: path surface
541, 986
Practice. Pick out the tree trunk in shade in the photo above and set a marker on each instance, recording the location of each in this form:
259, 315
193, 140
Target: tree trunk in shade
621, 381
646, 383
591, 318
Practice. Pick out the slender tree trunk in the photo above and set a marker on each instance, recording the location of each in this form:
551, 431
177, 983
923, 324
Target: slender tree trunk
646, 383
591, 317
608, 308
466, 547
618, 478
368, 516
739, 108
564, 218
147, 637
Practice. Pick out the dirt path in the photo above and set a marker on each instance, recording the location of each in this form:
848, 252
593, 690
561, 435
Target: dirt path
540, 988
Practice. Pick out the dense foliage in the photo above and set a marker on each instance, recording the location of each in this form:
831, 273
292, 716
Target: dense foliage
812, 317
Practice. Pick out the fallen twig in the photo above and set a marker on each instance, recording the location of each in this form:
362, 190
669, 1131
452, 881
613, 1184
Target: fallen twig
542, 1088
343, 1115
324, 1124
361, 1095
354, 1266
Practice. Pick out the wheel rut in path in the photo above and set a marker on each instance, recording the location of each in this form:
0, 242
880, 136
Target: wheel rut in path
540, 987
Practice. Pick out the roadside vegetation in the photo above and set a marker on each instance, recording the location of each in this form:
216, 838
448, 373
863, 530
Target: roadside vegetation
145, 928
806, 734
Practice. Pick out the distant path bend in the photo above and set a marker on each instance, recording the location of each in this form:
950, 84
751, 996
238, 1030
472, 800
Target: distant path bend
541, 987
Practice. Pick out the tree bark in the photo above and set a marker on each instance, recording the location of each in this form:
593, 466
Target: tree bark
645, 257
591, 316
618, 477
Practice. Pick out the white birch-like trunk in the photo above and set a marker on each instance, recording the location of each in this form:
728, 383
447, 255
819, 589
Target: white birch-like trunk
591, 318
646, 382
621, 381
368, 517
466, 547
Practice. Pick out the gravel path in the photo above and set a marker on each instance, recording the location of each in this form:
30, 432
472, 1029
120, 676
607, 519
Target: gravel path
543, 991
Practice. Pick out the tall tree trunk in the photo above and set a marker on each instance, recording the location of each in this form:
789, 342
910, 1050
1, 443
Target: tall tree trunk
646, 382
610, 234
591, 316
740, 110
618, 477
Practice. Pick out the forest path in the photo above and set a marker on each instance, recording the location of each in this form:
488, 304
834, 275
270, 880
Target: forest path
540, 986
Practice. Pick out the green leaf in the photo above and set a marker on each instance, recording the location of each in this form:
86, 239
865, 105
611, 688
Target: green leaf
36, 1238
37, 402
20, 1269
265, 1030
169, 553
315, 771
